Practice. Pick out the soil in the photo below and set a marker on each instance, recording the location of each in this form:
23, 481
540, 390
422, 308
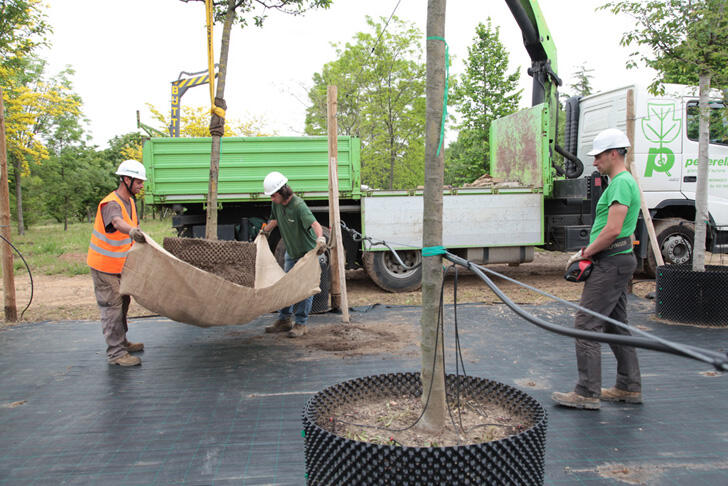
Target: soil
393, 421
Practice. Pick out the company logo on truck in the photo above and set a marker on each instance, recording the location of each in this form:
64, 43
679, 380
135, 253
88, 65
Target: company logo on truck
662, 126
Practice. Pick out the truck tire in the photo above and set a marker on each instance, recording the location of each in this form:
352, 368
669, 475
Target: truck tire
675, 237
387, 273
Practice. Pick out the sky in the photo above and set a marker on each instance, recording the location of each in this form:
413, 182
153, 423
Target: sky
125, 54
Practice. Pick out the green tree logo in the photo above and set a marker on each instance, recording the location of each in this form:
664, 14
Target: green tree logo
662, 126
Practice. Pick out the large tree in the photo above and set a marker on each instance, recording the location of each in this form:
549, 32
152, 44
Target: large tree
33, 103
380, 76
486, 92
23, 28
678, 33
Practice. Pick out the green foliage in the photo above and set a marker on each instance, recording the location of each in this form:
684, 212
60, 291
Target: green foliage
486, 92
380, 78
23, 28
680, 39
49, 254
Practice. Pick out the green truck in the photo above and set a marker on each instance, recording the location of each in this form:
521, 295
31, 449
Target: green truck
504, 221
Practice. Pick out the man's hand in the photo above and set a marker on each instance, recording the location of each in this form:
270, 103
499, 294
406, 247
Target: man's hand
579, 255
137, 235
320, 245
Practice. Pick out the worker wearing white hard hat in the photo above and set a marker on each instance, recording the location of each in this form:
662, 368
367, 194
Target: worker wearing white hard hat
605, 290
301, 233
116, 228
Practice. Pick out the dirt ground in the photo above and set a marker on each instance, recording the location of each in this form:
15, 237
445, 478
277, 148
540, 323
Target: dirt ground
72, 298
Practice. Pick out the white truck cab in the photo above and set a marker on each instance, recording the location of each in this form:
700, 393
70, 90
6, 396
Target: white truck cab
665, 150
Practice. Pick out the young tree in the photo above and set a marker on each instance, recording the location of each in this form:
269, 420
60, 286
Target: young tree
380, 78
240, 12
433, 368
486, 92
694, 34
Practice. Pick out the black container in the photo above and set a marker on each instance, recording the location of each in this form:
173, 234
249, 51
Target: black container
334, 460
684, 295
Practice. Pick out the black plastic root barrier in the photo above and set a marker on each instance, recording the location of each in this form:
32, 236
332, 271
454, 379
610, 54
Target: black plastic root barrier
334, 460
320, 302
693, 297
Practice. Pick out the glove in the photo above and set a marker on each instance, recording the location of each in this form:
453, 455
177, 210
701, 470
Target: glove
137, 235
320, 245
264, 230
579, 255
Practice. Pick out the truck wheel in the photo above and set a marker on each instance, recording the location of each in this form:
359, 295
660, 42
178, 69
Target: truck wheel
387, 273
675, 237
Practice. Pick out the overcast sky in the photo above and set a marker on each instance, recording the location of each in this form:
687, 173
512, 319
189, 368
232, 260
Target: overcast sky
127, 53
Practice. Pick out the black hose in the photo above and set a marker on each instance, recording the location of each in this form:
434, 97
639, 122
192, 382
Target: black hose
573, 166
29, 274
718, 360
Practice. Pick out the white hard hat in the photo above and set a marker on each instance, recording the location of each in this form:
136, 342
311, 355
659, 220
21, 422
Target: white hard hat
611, 138
132, 168
273, 182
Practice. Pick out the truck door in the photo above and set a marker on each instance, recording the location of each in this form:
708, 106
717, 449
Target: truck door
717, 151
658, 148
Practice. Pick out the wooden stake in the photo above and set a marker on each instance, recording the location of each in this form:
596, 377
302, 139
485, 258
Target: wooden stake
11, 310
630, 166
339, 299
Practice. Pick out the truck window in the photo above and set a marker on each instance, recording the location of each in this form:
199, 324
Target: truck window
718, 122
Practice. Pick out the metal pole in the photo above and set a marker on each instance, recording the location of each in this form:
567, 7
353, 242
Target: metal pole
11, 310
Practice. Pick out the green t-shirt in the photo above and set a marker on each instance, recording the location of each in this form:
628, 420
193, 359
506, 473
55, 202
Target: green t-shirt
623, 190
294, 221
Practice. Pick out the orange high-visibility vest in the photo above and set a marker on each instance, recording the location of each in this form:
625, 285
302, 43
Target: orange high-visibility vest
107, 251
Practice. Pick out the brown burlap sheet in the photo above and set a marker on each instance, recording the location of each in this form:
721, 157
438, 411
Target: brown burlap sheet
168, 286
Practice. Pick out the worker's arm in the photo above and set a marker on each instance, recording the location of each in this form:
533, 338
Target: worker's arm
270, 226
317, 229
121, 225
610, 232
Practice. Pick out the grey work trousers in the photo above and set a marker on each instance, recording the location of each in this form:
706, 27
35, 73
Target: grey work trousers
605, 292
113, 307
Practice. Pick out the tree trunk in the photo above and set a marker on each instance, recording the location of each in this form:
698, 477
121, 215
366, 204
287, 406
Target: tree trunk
18, 196
433, 377
701, 192
211, 224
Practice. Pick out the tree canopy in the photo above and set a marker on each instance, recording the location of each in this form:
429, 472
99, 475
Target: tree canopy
380, 77
486, 92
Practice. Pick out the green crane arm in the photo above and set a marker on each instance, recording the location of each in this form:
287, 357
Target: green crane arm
540, 47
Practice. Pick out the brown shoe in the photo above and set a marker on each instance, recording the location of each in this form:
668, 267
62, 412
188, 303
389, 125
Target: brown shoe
614, 394
133, 347
298, 331
281, 325
126, 360
574, 400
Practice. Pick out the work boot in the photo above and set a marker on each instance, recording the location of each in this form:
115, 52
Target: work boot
614, 394
133, 347
125, 360
281, 325
298, 331
574, 400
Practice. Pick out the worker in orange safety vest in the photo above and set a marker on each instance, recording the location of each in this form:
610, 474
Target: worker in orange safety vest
115, 229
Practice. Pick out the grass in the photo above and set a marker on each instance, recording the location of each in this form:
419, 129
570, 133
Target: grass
51, 251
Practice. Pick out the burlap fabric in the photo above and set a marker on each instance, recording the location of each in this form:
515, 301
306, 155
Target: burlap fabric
168, 286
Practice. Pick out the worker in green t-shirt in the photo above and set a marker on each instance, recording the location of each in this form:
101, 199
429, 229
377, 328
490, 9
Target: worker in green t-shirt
605, 291
301, 233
